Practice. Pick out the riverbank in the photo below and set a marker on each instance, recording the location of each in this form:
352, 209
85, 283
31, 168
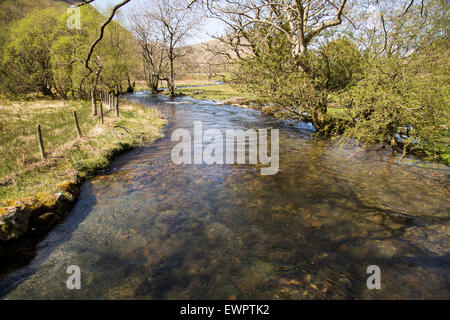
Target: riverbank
229, 95
225, 232
35, 194
221, 93
226, 94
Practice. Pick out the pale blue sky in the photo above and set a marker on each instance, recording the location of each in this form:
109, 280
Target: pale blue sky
210, 26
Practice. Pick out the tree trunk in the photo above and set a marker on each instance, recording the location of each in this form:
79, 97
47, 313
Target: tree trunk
94, 101
172, 80
154, 82
393, 143
317, 123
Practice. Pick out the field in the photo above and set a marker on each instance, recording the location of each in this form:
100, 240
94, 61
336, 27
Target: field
23, 173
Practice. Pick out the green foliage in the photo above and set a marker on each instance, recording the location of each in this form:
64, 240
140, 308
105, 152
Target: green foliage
338, 65
62, 69
301, 94
42, 55
379, 102
395, 94
26, 60
383, 84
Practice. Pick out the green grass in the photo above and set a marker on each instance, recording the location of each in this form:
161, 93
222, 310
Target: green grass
18, 120
24, 174
221, 92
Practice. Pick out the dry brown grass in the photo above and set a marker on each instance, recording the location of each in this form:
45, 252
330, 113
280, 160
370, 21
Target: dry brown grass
24, 174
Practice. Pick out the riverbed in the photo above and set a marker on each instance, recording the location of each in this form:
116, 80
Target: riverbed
150, 229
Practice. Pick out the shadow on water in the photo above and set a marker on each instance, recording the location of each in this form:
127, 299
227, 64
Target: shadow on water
39, 249
149, 229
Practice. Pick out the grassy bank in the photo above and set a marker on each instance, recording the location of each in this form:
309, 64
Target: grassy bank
23, 174
142, 85
230, 94
222, 92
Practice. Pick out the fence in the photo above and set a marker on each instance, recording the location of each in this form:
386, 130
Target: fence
108, 100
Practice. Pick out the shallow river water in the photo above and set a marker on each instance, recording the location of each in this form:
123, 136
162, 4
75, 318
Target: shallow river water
150, 229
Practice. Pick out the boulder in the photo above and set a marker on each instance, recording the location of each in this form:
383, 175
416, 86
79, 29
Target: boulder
70, 189
44, 203
14, 223
46, 221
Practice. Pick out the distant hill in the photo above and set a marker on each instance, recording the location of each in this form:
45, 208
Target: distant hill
11, 10
211, 58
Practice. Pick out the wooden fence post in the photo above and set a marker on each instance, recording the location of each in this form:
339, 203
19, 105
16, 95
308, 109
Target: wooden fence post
41, 144
77, 126
101, 113
94, 102
116, 106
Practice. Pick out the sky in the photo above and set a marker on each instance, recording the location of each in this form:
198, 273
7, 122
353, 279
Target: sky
210, 26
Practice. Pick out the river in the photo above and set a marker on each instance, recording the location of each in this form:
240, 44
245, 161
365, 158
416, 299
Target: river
150, 229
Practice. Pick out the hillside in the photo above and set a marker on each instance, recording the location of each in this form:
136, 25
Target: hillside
11, 10
209, 58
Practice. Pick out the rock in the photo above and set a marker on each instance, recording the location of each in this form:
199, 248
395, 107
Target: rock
237, 101
46, 221
198, 92
70, 189
57, 203
43, 203
2, 255
40, 212
14, 223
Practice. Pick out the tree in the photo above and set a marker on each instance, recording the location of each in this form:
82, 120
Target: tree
397, 28
401, 97
43, 55
96, 42
404, 101
287, 29
175, 21
27, 54
151, 45
299, 21
61, 55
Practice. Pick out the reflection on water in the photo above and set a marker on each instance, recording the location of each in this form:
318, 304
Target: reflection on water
151, 230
